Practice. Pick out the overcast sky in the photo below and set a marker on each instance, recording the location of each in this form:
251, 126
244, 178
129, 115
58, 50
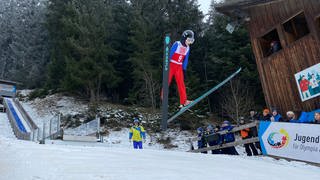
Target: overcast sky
205, 5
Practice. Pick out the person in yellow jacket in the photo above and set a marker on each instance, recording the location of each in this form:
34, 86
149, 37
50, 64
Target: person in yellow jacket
137, 134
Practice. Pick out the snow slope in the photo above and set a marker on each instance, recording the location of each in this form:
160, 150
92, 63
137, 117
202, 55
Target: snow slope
30, 161
116, 160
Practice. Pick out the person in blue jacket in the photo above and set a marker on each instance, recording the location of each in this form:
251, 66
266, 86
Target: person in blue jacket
137, 134
202, 143
276, 117
227, 138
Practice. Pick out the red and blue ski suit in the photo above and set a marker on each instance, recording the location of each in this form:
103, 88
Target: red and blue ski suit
179, 56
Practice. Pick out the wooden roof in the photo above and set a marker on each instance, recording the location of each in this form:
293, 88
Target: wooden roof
233, 7
8, 82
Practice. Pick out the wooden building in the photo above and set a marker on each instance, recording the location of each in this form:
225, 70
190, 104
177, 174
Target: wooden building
294, 25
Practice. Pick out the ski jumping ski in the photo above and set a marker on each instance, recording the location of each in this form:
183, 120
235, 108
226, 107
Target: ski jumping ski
182, 110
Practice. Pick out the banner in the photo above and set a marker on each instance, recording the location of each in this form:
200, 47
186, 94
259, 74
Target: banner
308, 82
7, 90
290, 140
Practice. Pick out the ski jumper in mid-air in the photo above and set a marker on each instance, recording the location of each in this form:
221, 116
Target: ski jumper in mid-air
179, 55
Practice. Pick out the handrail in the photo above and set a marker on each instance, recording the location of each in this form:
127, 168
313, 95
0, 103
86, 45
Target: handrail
235, 129
57, 133
25, 114
235, 143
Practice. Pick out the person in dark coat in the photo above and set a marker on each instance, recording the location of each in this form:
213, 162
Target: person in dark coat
253, 116
213, 138
265, 115
202, 143
227, 138
245, 134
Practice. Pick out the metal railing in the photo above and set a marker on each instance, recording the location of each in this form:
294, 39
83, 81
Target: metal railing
34, 128
90, 128
51, 129
17, 132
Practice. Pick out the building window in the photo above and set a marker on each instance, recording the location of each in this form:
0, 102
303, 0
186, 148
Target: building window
296, 28
318, 22
270, 43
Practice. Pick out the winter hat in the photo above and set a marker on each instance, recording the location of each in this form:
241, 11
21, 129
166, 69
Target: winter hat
266, 111
136, 120
290, 113
199, 129
242, 121
210, 127
225, 123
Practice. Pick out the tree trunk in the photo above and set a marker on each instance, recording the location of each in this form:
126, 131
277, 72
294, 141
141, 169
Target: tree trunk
4, 65
98, 88
92, 95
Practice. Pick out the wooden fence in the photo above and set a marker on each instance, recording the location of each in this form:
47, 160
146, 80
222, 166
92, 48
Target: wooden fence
235, 143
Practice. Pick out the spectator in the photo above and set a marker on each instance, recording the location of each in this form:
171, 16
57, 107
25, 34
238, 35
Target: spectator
202, 143
265, 115
316, 118
275, 46
213, 138
253, 115
228, 138
137, 134
276, 117
245, 134
291, 117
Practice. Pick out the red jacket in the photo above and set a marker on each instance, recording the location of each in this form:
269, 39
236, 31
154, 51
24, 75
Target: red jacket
304, 85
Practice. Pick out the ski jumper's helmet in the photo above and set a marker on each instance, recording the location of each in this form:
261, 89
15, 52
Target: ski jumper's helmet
188, 35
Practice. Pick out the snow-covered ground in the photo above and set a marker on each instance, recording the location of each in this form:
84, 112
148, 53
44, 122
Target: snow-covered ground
42, 110
30, 161
115, 159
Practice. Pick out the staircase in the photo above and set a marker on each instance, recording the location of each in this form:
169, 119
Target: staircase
5, 127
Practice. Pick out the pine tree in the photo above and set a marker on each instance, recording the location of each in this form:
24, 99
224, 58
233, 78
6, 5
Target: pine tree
83, 46
119, 41
55, 23
146, 56
23, 39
